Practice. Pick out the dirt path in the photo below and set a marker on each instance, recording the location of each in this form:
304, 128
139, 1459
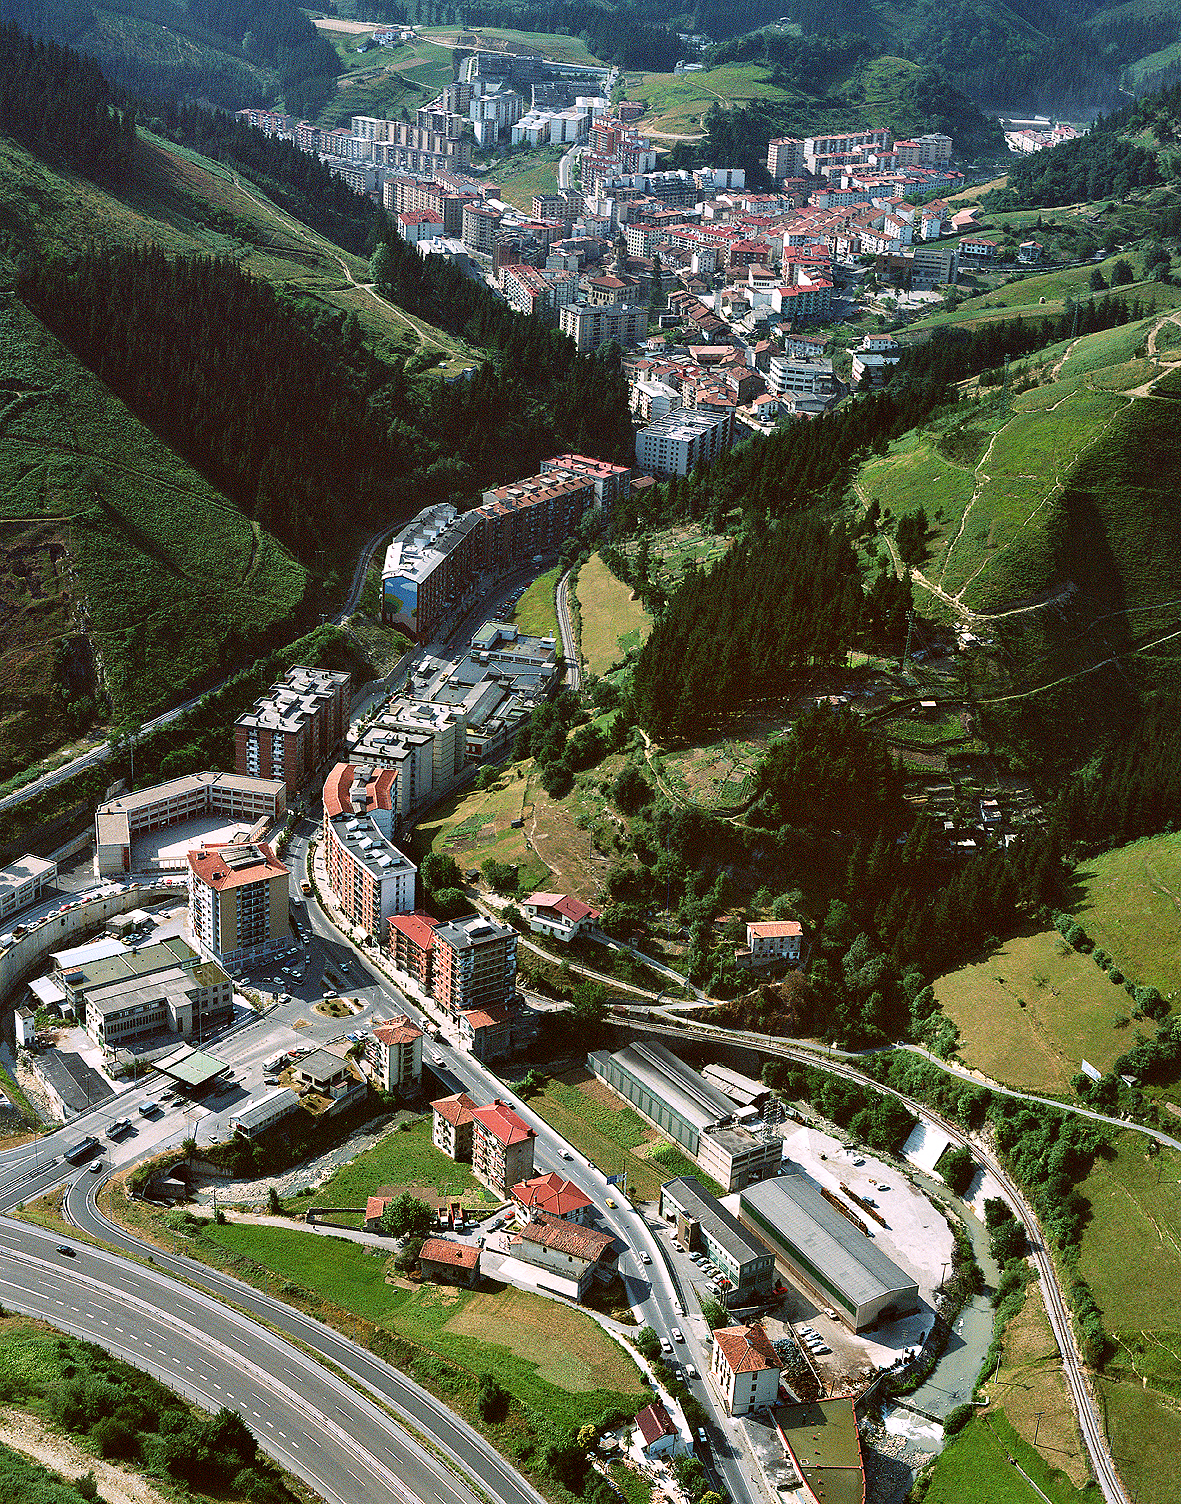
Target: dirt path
304, 234
31, 1438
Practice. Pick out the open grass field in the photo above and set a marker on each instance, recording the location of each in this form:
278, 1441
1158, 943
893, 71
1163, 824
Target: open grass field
1031, 1388
1032, 1011
676, 105
383, 80
613, 620
477, 824
1145, 1430
975, 1466
1132, 909
550, 1356
536, 613
95, 507
521, 174
611, 1134
400, 1158
1131, 1255
562, 49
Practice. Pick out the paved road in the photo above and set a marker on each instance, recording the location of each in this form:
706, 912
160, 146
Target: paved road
566, 628
306, 1417
103, 751
1101, 1460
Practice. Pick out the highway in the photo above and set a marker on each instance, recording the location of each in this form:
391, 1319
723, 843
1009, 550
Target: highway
314, 1423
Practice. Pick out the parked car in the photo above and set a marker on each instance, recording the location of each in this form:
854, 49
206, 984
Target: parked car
645, 1258
666, 1346
678, 1335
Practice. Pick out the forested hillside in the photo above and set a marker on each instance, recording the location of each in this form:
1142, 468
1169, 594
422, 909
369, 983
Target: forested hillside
228, 52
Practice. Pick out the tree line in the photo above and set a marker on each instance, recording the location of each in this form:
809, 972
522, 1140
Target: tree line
57, 103
1095, 166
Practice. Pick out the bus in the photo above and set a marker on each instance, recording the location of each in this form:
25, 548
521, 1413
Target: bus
83, 1149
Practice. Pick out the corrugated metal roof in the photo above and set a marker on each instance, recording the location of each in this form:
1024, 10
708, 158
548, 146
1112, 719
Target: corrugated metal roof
794, 1209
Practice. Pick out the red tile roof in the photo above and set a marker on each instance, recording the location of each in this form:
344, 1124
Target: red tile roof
654, 1422
444, 1251
209, 865
570, 908
396, 1030
495, 1016
417, 927
550, 1193
455, 1110
338, 790
747, 1349
502, 1123
375, 1206
565, 1237
772, 929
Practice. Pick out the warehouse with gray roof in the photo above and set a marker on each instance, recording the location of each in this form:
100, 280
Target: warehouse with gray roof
826, 1254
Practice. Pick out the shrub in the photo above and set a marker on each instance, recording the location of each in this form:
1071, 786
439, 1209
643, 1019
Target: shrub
958, 1168
955, 1420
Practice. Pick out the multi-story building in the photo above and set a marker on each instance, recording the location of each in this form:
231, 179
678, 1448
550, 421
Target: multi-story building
130, 994
704, 1225
238, 901
431, 571
393, 1048
785, 157
531, 516
295, 727
786, 374
745, 1368
771, 942
612, 482
23, 882
559, 915
486, 1033
676, 445
541, 293
474, 964
480, 224
120, 822
552, 1195
589, 327
423, 741
371, 879
412, 947
502, 1147
403, 194
932, 150
452, 1126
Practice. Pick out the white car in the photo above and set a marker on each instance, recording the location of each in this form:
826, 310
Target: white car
678, 1335
645, 1258
666, 1346
566, 1154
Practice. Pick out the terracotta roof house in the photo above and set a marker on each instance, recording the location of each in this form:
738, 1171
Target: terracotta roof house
745, 1368
658, 1435
553, 1195
449, 1263
559, 915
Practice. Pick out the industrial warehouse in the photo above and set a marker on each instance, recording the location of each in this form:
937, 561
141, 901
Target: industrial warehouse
680, 1102
826, 1253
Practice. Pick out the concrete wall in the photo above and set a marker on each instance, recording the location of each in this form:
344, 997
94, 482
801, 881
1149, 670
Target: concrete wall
31, 951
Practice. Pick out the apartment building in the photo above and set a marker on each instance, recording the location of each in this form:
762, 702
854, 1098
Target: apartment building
612, 482
241, 797
412, 946
785, 157
371, 879
931, 150
452, 1126
745, 1368
502, 1147
542, 293
422, 740
480, 224
787, 374
676, 445
531, 516
393, 1048
238, 901
431, 570
474, 964
591, 326
295, 727
404, 194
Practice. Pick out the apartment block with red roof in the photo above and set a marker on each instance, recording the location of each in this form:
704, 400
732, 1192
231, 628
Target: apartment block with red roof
393, 1048
412, 943
745, 1368
238, 901
452, 1126
502, 1147
369, 877
558, 914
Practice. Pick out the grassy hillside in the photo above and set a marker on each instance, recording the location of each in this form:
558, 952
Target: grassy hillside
1062, 496
102, 524
189, 205
382, 80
